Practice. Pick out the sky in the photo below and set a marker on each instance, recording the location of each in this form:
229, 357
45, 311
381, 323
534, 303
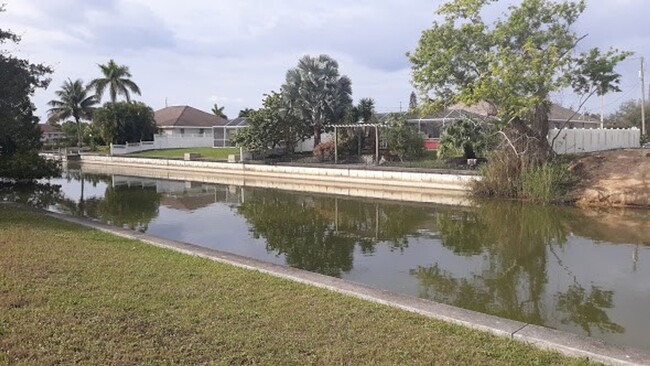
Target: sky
232, 52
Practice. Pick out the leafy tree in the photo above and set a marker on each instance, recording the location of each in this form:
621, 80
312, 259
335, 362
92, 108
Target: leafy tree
404, 140
466, 136
273, 125
218, 111
413, 103
19, 131
318, 94
74, 102
117, 78
514, 64
124, 122
628, 115
246, 112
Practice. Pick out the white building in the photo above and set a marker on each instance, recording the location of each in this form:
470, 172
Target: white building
51, 134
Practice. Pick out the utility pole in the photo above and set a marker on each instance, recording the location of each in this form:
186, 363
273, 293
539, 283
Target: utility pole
602, 111
642, 76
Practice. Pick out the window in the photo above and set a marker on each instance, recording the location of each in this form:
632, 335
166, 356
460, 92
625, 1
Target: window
182, 131
201, 131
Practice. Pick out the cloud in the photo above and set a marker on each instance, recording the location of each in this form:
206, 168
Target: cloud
232, 52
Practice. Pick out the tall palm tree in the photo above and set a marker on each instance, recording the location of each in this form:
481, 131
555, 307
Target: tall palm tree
319, 93
117, 80
74, 102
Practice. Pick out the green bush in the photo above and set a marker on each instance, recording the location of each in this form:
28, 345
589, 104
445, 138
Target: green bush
465, 137
404, 141
505, 176
546, 183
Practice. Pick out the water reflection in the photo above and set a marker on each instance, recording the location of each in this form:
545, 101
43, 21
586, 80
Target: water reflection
35, 194
514, 242
552, 266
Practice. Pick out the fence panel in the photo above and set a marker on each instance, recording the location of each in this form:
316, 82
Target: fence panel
577, 140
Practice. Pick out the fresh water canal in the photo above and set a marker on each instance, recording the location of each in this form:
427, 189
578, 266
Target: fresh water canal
582, 272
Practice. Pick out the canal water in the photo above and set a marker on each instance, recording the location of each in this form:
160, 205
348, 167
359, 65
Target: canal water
582, 272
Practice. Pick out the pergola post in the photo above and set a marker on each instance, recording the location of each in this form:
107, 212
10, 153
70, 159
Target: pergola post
336, 145
376, 145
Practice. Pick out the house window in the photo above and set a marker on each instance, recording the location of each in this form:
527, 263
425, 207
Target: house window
201, 131
182, 131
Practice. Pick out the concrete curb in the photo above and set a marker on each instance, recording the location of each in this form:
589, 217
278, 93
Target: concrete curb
563, 342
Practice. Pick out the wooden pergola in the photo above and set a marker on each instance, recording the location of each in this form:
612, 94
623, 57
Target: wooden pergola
376, 126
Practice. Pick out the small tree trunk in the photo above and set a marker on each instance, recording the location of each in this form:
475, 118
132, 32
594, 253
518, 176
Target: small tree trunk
78, 132
317, 133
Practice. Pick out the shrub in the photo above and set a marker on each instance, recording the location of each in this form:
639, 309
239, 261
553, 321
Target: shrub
505, 176
324, 151
404, 141
546, 183
464, 136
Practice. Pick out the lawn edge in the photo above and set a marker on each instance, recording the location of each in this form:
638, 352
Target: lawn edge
541, 337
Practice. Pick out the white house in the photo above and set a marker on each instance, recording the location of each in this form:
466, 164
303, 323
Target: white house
187, 121
51, 134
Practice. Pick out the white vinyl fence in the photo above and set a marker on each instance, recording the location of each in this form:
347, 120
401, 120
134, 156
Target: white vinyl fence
164, 142
570, 141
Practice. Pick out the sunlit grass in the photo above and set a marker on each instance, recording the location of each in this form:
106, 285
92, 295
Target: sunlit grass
207, 153
74, 295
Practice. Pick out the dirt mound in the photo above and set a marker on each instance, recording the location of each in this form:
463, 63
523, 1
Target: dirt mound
619, 178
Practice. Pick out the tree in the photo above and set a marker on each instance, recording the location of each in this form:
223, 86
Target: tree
124, 122
513, 64
74, 102
272, 125
218, 111
246, 112
19, 131
628, 115
413, 103
117, 78
404, 140
318, 94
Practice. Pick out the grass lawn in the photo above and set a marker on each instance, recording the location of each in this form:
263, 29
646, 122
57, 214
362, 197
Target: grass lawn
207, 153
72, 295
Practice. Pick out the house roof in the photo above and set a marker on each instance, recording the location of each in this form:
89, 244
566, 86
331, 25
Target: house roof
48, 128
556, 113
186, 116
238, 122
559, 113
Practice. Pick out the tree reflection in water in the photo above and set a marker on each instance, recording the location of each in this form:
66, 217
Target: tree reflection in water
512, 242
133, 207
319, 233
35, 194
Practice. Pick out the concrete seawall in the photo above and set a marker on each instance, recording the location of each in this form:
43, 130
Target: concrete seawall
439, 188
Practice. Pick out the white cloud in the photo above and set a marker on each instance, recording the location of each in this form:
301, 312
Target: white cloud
233, 52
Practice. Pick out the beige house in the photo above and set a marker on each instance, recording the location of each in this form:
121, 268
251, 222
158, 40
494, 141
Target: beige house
186, 121
50, 134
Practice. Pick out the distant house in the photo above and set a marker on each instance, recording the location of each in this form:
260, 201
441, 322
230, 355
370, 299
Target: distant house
224, 135
51, 134
557, 116
181, 121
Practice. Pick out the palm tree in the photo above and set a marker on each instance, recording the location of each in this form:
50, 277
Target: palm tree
218, 111
74, 102
117, 79
319, 93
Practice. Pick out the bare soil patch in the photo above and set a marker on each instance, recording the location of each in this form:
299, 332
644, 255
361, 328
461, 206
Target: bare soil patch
619, 178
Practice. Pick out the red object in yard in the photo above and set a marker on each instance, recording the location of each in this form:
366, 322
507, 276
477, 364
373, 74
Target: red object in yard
431, 144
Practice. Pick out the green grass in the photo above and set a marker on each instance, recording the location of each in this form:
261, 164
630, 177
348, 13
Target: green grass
207, 153
71, 295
